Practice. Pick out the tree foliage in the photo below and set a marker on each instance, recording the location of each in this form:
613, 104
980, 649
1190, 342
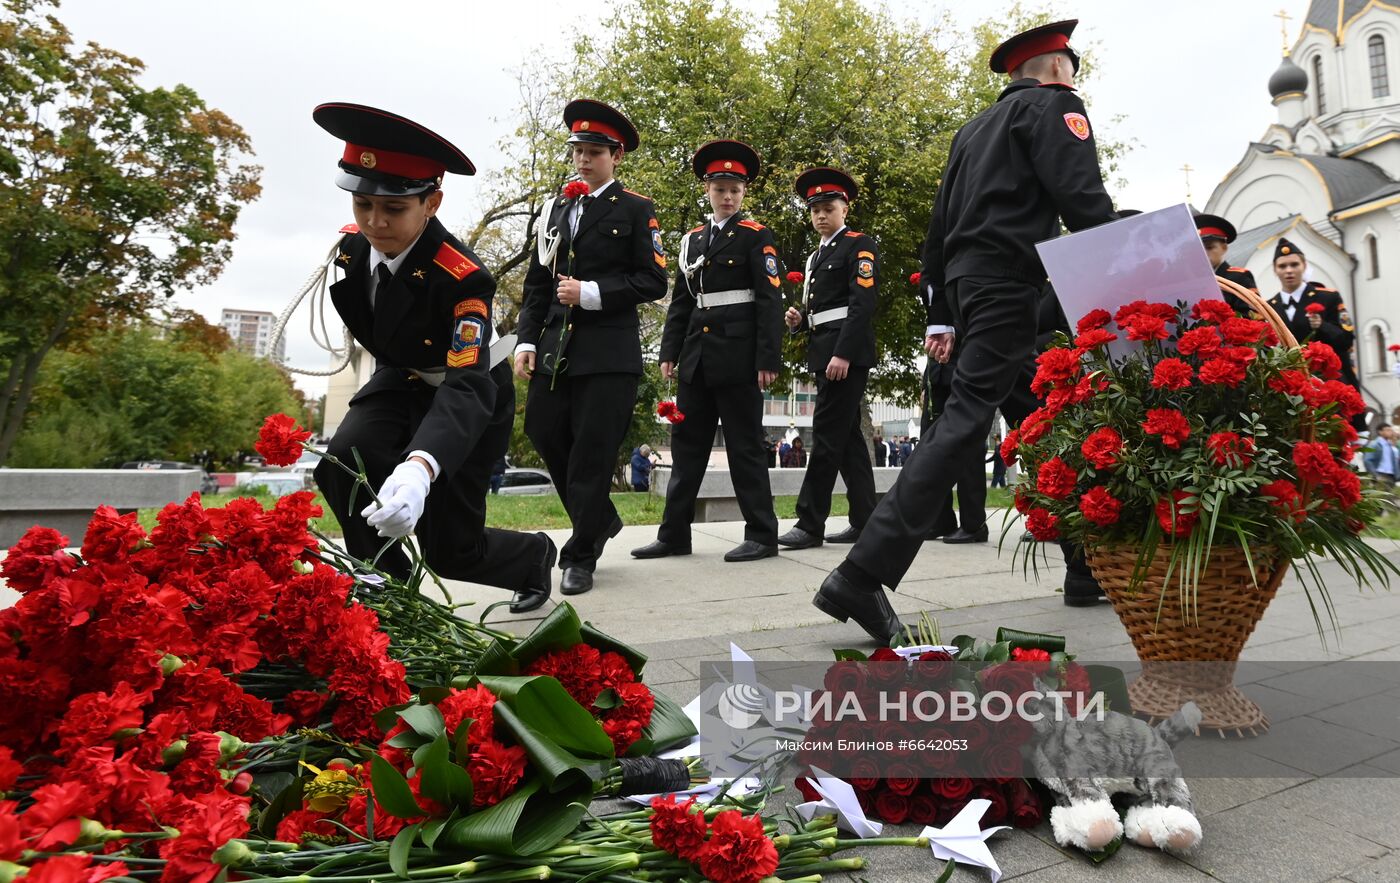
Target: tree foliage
112, 195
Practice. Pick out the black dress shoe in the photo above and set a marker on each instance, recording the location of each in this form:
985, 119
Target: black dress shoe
962, 535
749, 550
613, 530
530, 597
840, 599
845, 537
576, 581
797, 538
939, 531
1083, 591
659, 549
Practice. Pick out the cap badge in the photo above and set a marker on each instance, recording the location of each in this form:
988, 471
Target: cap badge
728, 165
368, 160
1286, 250
583, 126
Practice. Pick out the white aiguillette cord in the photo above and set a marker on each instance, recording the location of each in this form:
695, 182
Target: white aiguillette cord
317, 286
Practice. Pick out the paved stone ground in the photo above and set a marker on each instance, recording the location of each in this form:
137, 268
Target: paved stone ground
1292, 827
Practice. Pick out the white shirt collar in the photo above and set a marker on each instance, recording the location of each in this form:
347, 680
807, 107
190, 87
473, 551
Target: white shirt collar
830, 239
376, 257
603, 187
1296, 294
720, 225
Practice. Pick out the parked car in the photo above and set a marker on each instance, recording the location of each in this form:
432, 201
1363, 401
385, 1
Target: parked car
306, 465
279, 484
526, 481
208, 484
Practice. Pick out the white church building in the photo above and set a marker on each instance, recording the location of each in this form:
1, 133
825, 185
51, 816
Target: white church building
1326, 175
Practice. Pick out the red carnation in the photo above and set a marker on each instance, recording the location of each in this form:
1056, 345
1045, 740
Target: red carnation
1176, 522
795, 277
1394, 348
1099, 506
1054, 366
667, 409
1313, 459
1199, 341
73, 869
913, 278
1171, 374
1093, 319
280, 440
1094, 338
1102, 447
1239, 331
738, 851
1230, 449
1036, 425
1008, 447
1145, 327
1168, 423
1323, 360
1314, 308
1224, 372
1342, 485
37, 558
1030, 654
474, 704
1056, 479
675, 828
1212, 310
1042, 525
1291, 382
1284, 496
111, 536
495, 770
575, 189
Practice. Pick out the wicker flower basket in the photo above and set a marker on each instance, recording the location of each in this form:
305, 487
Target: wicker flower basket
1190, 643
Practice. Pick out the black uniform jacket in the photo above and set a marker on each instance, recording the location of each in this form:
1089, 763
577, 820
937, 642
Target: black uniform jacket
1014, 172
618, 246
435, 315
845, 273
728, 344
1336, 331
1240, 276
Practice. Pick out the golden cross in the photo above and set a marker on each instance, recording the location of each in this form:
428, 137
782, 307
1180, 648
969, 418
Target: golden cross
1283, 19
418, 274
1188, 170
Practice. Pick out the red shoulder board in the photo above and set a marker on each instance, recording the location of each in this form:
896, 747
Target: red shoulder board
350, 228
1326, 289
697, 229
1239, 270
458, 265
752, 225
853, 233
635, 193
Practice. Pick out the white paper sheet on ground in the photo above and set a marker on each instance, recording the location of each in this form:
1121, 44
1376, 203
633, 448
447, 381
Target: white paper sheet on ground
963, 838
838, 799
907, 652
706, 792
1155, 256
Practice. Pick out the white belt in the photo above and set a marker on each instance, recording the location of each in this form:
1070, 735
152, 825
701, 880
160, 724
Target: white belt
832, 315
707, 299
501, 348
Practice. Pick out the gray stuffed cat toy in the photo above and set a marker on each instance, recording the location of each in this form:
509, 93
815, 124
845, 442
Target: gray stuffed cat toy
1085, 761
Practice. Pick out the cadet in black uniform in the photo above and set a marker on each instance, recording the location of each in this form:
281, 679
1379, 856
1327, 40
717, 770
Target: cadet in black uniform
723, 338
1014, 173
1216, 235
841, 286
434, 414
597, 258
1332, 326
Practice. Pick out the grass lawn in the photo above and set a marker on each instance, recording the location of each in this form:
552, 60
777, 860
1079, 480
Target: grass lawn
545, 512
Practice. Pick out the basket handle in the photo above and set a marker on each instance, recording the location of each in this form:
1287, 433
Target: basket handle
1260, 306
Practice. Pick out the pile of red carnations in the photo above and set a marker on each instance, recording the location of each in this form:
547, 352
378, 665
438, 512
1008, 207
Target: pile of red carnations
604, 682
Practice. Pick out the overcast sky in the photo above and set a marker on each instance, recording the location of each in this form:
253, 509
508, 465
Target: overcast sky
1189, 84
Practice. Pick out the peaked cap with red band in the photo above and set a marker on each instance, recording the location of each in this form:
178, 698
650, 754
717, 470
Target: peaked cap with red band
1215, 227
593, 122
1284, 249
1037, 41
725, 159
386, 154
822, 183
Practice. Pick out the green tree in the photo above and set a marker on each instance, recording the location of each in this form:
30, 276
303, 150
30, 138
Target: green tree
112, 196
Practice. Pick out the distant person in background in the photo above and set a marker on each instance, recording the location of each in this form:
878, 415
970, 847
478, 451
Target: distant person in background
1382, 457
796, 457
1216, 236
641, 468
998, 464
882, 453
783, 450
905, 450
498, 474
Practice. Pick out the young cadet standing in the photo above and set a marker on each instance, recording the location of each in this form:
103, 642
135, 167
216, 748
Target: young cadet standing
1015, 171
1216, 235
1332, 326
435, 415
723, 339
841, 287
598, 258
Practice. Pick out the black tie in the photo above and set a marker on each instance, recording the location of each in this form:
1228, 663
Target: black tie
383, 276
583, 203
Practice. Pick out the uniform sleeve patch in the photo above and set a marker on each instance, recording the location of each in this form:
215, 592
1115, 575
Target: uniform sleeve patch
1078, 125
471, 305
657, 247
865, 268
467, 337
350, 228
866, 254
458, 265
752, 225
770, 266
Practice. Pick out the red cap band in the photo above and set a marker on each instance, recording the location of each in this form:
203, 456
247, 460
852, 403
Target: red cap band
726, 167
1212, 231
388, 162
598, 128
1035, 46
827, 188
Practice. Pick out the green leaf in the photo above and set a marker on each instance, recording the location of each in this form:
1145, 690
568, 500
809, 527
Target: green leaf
545, 707
407, 739
399, 849
286, 801
998, 652
847, 655
443, 780
1031, 640
385, 718
392, 791
607, 700
636, 660
559, 768
433, 828
669, 727
1109, 680
528, 821
425, 720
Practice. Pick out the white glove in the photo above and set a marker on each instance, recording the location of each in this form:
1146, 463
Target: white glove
401, 500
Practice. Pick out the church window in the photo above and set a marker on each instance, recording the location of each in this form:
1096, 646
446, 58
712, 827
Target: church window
1321, 102
1378, 348
1373, 258
1380, 76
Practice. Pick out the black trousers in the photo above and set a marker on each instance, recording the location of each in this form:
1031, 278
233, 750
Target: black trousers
740, 409
838, 446
578, 427
997, 320
971, 485
452, 532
